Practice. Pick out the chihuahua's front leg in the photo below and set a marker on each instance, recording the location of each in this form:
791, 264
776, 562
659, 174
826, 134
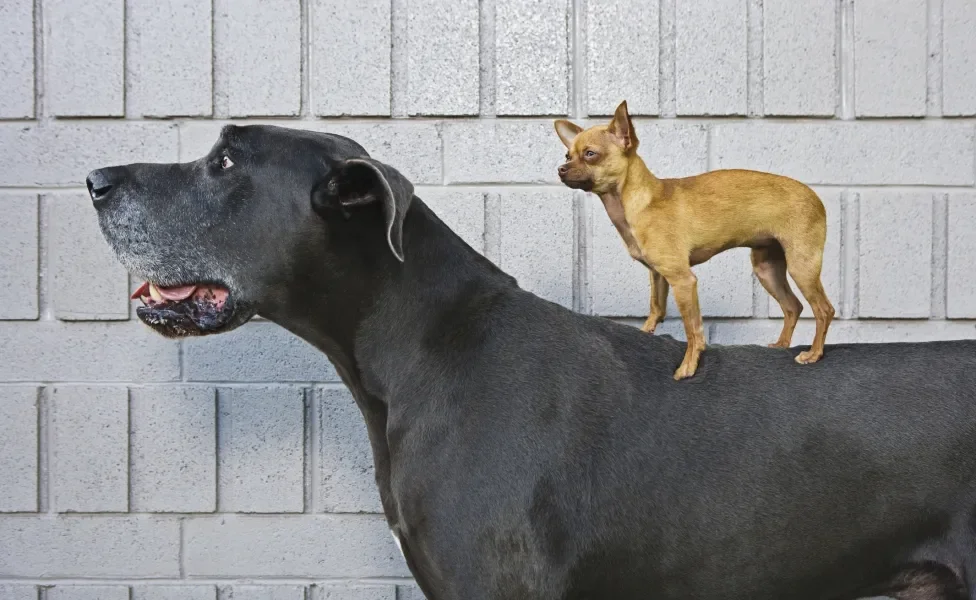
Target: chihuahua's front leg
659, 302
685, 286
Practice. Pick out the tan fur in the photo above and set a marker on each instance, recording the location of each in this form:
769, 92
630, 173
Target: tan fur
671, 225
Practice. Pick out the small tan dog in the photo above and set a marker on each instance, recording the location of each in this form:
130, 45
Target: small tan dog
671, 225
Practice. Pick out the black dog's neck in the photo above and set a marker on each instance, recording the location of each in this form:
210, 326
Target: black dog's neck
373, 319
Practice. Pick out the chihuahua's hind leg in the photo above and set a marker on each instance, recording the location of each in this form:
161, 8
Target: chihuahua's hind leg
804, 267
769, 265
659, 302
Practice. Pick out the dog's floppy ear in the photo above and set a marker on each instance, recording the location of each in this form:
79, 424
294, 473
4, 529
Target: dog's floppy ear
361, 181
622, 128
567, 131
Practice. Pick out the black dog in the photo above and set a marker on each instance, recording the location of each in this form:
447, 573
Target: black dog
526, 452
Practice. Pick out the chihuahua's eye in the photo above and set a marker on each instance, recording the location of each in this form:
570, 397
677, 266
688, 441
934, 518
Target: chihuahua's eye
567, 156
226, 162
590, 154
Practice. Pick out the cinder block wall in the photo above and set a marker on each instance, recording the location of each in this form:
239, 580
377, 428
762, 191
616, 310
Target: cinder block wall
237, 466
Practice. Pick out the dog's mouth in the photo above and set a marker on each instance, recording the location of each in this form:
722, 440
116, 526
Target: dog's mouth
185, 310
579, 184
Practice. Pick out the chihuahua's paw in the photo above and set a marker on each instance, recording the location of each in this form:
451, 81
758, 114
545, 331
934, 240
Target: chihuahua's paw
808, 357
685, 371
779, 345
651, 324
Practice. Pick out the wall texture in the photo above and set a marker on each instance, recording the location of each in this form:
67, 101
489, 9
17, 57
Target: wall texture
237, 466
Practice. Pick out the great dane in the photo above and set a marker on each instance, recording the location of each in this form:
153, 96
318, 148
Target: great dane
523, 451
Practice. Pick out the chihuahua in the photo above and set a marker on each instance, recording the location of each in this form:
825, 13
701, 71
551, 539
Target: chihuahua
671, 225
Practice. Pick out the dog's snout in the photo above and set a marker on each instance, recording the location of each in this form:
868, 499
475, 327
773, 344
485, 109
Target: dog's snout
99, 184
563, 169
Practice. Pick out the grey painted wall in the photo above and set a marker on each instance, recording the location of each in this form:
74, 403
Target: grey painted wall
237, 465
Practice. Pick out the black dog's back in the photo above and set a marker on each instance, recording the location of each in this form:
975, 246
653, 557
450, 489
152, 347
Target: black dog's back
868, 464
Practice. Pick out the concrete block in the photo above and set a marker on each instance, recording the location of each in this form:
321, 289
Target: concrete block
622, 51
461, 210
874, 332
173, 449
831, 270
710, 57
895, 265
88, 281
409, 592
83, 546
198, 137
918, 153
174, 592
961, 285
841, 332
18, 256
724, 286
672, 149
442, 57
18, 592
84, 54
331, 591
53, 351
261, 433
263, 592
88, 592
257, 57
617, 285
346, 478
64, 153
537, 236
17, 59
18, 449
414, 149
255, 352
326, 546
164, 73
531, 57
350, 57
799, 57
501, 151
90, 449
890, 54
958, 58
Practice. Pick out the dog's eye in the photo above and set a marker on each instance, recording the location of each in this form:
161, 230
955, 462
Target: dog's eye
590, 154
567, 156
226, 162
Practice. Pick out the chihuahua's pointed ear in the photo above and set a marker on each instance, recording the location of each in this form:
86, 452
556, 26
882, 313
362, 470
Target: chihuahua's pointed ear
363, 181
622, 128
567, 131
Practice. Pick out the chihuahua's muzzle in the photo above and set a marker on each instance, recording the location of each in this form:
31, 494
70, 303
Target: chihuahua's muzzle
571, 177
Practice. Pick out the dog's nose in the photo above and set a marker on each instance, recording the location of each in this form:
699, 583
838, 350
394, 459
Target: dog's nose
563, 169
99, 185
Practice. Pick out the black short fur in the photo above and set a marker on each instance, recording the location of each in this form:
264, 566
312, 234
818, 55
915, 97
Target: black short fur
523, 451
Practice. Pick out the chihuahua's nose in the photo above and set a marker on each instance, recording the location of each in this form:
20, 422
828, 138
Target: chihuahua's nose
563, 169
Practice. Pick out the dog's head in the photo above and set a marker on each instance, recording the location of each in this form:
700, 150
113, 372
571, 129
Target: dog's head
597, 157
224, 237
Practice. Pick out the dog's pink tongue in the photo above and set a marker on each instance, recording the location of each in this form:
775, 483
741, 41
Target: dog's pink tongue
178, 293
